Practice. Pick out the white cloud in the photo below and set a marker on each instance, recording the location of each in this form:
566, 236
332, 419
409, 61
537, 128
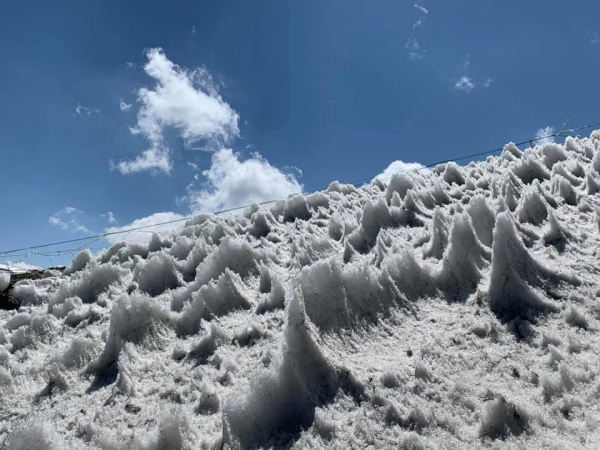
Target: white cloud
543, 134
68, 218
467, 62
153, 160
414, 49
233, 182
464, 84
417, 23
124, 106
422, 17
594, 37
422, 9
84, 112
487, 83
193, 30
399, 166
18, 266
186, 101
146, 234
109, 216
55, 221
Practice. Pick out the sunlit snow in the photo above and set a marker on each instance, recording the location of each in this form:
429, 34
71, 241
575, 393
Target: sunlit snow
452, 309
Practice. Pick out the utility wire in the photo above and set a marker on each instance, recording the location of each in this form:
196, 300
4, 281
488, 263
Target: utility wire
495, 150
100, 236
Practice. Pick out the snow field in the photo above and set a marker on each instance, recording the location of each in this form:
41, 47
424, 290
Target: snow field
456, 309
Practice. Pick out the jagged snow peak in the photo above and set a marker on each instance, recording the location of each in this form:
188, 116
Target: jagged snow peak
456, 308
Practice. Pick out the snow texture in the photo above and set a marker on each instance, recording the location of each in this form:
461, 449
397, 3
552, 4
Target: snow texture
4, 280
458, 308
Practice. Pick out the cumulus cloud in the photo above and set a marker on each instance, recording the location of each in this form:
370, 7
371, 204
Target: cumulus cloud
84, 112
464, 84
186, 101
124, 106
399, 166
69, 218
544, 135
146, 234
232, 182
487, 83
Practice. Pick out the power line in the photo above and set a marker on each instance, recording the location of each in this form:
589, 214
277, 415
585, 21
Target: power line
529, 141
99, 236
495, 150
129, 230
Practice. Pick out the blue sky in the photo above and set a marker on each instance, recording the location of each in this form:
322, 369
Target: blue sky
322, 90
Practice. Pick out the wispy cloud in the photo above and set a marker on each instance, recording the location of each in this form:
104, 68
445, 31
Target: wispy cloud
185, 100
109, 216
417, 23
414, 48
193, 30
467, 62
422, 9
467, 84
124, 106
594, 37
84, 112
464, 84
544, 135
68, 218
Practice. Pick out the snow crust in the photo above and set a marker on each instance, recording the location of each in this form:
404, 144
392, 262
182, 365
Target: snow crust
458, 308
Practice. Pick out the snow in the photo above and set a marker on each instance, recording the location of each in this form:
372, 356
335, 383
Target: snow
4, 280
17, 267
457, 308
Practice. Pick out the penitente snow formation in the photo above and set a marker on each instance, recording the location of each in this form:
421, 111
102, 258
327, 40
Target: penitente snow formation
457, 308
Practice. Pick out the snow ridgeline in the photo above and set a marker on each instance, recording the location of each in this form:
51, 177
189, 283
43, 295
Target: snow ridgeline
456, 309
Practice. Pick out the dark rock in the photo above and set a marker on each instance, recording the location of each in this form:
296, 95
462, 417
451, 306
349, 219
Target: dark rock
8, 301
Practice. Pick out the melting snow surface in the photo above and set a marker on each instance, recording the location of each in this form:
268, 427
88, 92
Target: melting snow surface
454, 309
